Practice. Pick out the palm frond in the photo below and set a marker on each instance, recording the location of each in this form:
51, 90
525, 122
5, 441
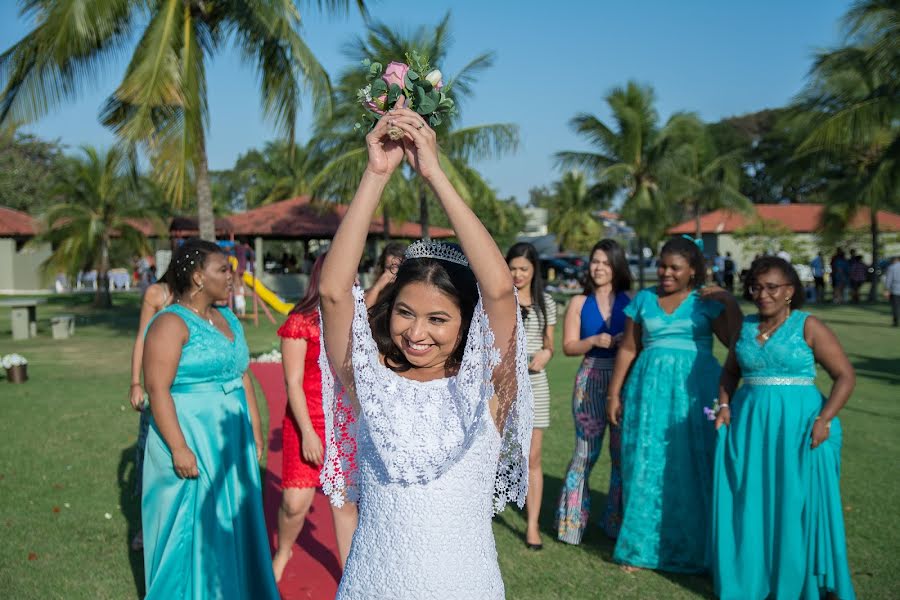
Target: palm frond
479, 142
73, 42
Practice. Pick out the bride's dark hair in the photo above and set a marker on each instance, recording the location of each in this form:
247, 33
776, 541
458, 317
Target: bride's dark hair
456, 281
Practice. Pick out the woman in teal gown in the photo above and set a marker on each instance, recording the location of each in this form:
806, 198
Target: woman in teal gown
667, 444
778, 525
204, 531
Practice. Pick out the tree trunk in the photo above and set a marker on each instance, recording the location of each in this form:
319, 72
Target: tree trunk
640, 259
873, 230
423, 213
698, 233
102, 297
206, 220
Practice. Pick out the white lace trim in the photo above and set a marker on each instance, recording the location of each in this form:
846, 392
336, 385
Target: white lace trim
419, 429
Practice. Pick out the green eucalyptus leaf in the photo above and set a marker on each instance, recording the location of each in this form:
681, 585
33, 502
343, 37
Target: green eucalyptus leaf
434, 120
393, 93
379, 88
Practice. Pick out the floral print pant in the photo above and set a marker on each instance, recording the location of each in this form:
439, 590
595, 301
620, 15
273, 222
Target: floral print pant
589, 411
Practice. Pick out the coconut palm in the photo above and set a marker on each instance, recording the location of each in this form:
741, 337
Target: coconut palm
631, 156
850, 112
277, 172
99, 203
700, 178
162, 101
570, 204
339, 136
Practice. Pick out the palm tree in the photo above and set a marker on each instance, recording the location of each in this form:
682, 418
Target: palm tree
460, 146
99, 204
851, 114
570, 205
699, 178
277, 172
162, 102
631, 157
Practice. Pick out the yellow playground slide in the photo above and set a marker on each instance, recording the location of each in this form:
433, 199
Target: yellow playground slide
264, 293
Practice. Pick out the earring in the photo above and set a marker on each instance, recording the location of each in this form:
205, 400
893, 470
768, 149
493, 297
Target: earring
788, 300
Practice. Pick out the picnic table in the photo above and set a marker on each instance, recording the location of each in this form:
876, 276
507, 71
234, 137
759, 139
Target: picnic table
23, 316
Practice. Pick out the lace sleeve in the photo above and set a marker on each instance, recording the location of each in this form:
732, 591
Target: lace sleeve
339, 469
508, 380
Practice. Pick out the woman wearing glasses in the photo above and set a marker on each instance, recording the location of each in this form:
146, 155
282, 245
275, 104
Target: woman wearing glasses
778, 527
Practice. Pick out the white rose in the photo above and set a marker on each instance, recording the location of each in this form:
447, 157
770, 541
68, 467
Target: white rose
435, 78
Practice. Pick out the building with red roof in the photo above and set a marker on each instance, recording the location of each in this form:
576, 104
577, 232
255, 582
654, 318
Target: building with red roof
772, 226
20, 264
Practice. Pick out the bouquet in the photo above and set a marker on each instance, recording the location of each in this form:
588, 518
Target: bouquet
13, 360
425, 94
712, 412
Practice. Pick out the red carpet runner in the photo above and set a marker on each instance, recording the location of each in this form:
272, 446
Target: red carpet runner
314, 569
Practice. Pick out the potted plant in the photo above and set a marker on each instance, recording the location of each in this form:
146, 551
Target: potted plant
16, 368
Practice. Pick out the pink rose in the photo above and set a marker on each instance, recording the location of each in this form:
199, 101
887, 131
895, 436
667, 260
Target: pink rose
395, 73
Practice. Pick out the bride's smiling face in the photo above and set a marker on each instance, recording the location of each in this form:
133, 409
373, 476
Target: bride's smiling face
425, 324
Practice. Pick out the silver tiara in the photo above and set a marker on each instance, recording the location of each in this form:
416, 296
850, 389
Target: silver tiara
437, 250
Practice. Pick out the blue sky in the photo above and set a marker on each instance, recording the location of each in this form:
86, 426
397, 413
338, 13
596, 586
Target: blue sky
553, 60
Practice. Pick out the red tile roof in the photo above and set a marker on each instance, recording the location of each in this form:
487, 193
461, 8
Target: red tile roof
15, 223
300, 218
799, 218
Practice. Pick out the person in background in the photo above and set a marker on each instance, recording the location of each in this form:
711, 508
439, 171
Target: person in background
595, 321
385, 270
730, 269
892, 289
539, 318
840, 276
303, 429
859, 272
157, 297
240, 300
777, 519
817, 266
719, 269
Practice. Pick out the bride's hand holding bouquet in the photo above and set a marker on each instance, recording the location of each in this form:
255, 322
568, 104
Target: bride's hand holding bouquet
419, 142
385, 153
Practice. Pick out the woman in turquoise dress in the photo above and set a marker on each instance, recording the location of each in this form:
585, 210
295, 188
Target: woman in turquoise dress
667, 444
778, 525
204, 531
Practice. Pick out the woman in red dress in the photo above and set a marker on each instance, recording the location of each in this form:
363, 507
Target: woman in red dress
303, 429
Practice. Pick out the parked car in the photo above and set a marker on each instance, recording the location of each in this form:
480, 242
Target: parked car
555, 269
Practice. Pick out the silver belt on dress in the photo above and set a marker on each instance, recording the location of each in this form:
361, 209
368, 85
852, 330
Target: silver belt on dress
779, 381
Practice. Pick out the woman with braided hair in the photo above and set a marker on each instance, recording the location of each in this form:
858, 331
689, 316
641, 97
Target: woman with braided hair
436, 377
204, 532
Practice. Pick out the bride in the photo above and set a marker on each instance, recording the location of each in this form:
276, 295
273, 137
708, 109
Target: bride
432, 433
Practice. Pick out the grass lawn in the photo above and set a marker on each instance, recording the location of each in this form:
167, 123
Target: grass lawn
67, 466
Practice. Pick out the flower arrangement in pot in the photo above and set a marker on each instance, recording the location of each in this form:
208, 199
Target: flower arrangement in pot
16, 367
422, 86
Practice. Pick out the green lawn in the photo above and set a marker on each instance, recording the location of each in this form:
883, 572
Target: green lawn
66, 469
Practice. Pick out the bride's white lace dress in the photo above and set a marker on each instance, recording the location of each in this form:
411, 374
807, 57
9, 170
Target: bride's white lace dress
428, 468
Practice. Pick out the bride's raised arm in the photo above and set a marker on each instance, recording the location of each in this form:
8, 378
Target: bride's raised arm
341, 263
487, 263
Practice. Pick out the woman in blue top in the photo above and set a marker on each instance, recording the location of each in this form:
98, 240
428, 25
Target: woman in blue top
593, 327
778, 524
204, 532
667, 443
